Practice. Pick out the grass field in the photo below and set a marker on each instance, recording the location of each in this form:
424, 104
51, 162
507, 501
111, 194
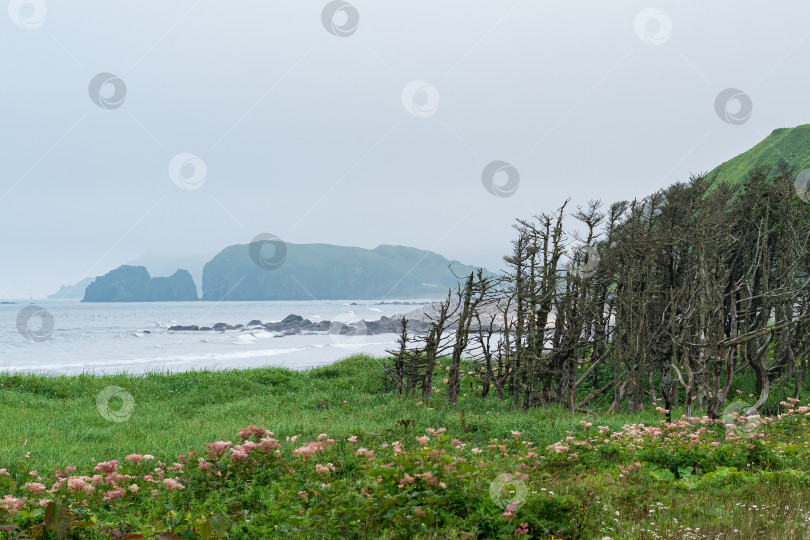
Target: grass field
688, 481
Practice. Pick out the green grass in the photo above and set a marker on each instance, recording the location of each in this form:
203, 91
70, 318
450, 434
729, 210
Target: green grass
57, 416
790, 144
709, 487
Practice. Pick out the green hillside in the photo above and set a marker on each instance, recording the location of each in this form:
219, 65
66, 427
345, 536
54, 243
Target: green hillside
322, 271
790, 144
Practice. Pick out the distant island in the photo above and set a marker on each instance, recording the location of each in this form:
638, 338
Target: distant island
72, 291
329, 272
307, 272
134, 284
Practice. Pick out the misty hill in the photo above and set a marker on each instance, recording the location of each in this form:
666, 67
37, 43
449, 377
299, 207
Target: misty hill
134, 284
790, 144
72, 291
323, 271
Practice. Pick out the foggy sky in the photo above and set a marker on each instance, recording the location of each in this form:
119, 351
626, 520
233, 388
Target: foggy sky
305, 134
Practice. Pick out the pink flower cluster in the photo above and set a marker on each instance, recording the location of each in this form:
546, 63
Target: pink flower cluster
629, 469
558, 447
324, 469
12, 504
254, 432
312, 448
217, 449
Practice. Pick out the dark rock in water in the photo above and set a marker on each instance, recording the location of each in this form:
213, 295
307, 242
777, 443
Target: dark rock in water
289, 322
146, 331
274, 326
178, 328
322, 326
295, 325
342, 329
221, 327
133, 284
8, 303
419, 326
354, 304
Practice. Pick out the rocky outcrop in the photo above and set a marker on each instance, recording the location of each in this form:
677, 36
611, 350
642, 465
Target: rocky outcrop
133, 284
295, 324
418, 323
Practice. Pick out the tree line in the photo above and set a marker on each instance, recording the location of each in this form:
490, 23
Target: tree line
665, 300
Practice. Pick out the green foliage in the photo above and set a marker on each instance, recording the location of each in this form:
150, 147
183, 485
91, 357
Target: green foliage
790, 144
584, 477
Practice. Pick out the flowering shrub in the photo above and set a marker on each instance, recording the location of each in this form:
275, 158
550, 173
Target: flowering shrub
260, 485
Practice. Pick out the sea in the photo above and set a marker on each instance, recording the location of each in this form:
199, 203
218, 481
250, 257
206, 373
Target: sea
68, 337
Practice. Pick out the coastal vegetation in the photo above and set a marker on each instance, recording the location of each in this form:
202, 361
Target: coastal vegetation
654, 302
271, 453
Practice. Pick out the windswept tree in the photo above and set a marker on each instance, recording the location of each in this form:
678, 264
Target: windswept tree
670, 299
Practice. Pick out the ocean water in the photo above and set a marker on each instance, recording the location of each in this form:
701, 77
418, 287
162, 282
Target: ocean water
134, 337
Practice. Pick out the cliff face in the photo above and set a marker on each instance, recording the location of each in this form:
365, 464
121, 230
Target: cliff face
133, 284
177, 287
324, 272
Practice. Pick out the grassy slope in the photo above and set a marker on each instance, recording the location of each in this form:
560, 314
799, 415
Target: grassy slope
791, 144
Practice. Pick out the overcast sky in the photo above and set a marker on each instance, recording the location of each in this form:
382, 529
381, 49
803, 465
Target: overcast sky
306, 122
